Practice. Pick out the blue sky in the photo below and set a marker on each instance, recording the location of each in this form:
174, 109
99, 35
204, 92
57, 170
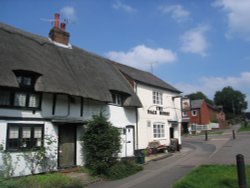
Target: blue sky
192, 44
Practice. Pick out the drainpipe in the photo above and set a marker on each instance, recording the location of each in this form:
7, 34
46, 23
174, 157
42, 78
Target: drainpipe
136, 119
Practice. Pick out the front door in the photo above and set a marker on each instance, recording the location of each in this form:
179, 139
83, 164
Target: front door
67, 145
129, 141
171, 132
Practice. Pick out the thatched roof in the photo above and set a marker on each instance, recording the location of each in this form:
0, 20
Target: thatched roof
68, 71
145, 77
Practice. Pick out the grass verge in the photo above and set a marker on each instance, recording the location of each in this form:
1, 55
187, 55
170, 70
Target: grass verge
243, 128
54, 180
215, 176
119, 170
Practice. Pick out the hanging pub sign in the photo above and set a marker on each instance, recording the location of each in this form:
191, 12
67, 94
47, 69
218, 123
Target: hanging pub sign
185, 104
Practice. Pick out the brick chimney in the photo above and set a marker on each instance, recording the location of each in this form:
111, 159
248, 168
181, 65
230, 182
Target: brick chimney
57, 34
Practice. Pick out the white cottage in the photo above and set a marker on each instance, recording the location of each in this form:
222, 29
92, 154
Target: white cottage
160, 117
48, 90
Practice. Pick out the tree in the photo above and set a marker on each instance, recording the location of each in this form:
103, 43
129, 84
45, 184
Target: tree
233, 101
101, 145
199, 95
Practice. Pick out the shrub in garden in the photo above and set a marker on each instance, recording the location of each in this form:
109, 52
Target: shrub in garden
101, 145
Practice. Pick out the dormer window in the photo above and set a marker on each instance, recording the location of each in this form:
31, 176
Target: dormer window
116, 99
24, 96
24, 81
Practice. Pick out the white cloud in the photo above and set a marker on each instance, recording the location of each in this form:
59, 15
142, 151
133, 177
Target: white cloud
177, 12
118, 5
194, 41
142, 56
237, 17
209, 85
69, 13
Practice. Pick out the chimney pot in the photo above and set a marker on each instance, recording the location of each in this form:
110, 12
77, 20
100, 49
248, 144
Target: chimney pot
58, 34
56, 22
63, 26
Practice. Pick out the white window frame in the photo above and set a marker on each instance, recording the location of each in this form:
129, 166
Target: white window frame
184, 113
194, 112
116, 99
159, 130
157, 98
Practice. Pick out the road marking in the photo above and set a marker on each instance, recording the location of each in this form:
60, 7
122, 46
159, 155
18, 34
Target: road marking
220, 139
226, 133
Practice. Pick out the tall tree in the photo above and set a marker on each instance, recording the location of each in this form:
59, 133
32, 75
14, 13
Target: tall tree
199, 95
233, 101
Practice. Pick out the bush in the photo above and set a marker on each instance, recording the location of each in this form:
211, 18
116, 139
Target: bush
101, 145
122, 169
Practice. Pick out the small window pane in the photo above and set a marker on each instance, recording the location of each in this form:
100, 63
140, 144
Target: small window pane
34, 100
4, 97
26, 132
19, 79
38, 132
119, 100
13, 132
38, 142
20, 99
26, 81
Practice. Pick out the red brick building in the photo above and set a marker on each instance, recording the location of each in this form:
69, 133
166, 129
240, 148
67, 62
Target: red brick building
202, 116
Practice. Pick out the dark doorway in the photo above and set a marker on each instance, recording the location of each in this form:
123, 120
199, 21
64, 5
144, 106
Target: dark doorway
67, 146
171, 131
185, 128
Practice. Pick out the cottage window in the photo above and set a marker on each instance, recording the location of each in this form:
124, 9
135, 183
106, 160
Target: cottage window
4, 98
19, 98
23, 97
117, 99
24, 81
184, 113
159, 130
24, 136
157, 97
194, 112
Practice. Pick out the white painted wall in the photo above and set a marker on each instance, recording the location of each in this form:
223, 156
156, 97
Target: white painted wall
121, 117
65, 109
79, 144
19, 165
146, 121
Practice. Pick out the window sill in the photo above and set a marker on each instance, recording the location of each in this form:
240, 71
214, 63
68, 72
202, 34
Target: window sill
112, 104
21, 108
23, 150
163, 138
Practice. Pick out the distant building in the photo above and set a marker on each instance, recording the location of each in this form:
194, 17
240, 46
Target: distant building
202, 116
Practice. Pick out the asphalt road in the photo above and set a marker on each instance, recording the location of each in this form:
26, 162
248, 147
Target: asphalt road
163, 173
219, 149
